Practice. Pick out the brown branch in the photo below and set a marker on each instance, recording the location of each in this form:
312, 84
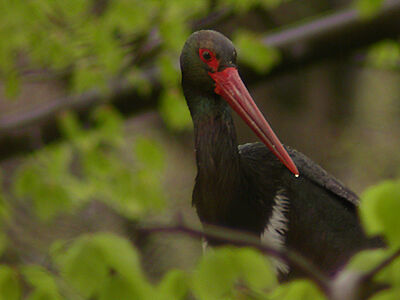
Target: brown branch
333, 36
346, 284
341, 22
238, 238
336, 35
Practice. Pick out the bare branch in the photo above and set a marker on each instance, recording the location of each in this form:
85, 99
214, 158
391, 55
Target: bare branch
336, 35
238, 238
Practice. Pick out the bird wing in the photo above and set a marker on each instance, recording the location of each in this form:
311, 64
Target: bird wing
308, 169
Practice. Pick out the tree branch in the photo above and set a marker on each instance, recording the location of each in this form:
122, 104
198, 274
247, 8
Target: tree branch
333, 36
336, 35
238, 238
345, 285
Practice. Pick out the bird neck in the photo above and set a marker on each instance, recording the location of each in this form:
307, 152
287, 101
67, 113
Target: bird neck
218, 160
215, 140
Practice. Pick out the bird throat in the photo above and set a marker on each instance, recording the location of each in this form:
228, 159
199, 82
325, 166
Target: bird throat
218, 162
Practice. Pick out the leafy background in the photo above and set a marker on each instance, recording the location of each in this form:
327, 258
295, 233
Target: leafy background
71, 204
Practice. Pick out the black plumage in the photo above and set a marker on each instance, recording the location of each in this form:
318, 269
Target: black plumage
322, 217
240, 187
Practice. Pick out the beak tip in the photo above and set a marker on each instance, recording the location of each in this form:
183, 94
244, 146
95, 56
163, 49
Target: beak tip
294, 170
291, 166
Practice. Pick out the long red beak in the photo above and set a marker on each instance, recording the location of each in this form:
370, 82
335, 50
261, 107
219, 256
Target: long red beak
232, 89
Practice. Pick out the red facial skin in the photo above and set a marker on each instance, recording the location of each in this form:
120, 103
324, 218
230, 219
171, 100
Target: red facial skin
231, 88
213, 62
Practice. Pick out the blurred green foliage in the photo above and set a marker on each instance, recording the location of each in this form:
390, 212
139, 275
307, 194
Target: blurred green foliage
219, 271
42, 282
387, 295
297, 290
106, 266
254, 53
10, 286
107, 168
379, 211
102, 266
368, 8
95, 44
385, 54
172, 106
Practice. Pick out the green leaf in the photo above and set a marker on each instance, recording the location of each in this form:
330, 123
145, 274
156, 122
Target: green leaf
118, 287
94, 164
87, 77
215, 276
130, 17
12, 84
82, 266
174, 285
220, 269
385, 54
256, 270
149, 153
391, 273
174, 110
101, 265
368, 8
69, 125
169, 74
44, 181
254, 53
297, 290
43, 283
9, 285
73, 8
108, 172
174, 31
110, 126
379, 211
392, 294
366, 260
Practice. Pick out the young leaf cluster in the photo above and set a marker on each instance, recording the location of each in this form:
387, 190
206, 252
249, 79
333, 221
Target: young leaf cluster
98, 164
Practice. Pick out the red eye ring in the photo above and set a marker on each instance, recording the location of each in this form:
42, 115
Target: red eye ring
209, 58
206, 55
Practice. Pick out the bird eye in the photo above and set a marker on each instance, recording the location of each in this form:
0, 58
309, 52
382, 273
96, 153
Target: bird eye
209, 58
206, 55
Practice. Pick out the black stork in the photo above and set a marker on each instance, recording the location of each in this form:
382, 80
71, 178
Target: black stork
266, 189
